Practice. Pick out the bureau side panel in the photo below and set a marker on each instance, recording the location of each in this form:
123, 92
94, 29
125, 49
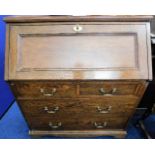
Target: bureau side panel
7, 49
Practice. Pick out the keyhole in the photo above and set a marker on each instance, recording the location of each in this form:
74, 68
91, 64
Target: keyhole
77, 28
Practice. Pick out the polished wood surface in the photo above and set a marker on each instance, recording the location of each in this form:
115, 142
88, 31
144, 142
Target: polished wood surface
110, 88
76, 133
71, 89
81, 106
78, 76
76, 123
43, 89
73, 54
59, 18
79, 113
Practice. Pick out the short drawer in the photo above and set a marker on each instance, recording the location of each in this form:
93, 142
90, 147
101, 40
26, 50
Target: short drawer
108, 88
45, 90
88, 123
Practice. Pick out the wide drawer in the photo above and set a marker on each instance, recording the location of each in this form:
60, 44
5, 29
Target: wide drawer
44, 90
88, 123
78, 50
80, 108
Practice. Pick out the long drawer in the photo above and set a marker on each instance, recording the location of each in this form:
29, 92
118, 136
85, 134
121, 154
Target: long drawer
119, 105
87, 123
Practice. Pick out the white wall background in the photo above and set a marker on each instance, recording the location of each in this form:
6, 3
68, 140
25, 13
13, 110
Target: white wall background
77, 7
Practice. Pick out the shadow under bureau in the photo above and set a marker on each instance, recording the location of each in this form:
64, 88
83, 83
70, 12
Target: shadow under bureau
78, 76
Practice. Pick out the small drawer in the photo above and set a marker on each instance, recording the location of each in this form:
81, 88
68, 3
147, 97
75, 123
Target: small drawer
88, 123
108, 88
43, 90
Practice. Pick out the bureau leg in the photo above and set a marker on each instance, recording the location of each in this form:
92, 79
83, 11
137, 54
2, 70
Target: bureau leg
142, 127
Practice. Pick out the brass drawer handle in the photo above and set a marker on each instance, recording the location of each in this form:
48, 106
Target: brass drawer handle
104, 110
77, 28
12, 84
55, 109
48, 94
103, 92
100, 125
59, 124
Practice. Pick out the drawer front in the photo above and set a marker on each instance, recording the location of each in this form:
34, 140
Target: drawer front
89, 123
110, 88
43, 90
78, 51
106, 106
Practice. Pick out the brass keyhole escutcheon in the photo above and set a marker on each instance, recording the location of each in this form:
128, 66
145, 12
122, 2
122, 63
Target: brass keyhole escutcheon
77, 28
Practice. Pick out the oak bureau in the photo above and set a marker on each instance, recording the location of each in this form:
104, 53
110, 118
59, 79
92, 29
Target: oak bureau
78, 76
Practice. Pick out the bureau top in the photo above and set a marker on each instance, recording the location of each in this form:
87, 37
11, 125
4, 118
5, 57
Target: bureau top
92, 18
